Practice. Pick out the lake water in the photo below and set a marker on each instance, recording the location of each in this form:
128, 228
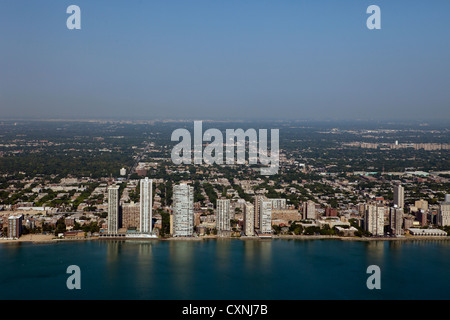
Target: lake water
226, 269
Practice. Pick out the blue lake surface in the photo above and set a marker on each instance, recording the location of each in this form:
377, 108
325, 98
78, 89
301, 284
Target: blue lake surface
226, 269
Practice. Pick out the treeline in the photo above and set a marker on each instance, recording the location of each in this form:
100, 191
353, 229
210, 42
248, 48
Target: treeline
95, 165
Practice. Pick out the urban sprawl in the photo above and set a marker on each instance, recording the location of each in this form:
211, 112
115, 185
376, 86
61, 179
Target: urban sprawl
360, 184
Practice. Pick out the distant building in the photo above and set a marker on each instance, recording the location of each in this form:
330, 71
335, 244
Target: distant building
113, 209
123, 171
278, 204
309, 210
421, 205
146, 189
399, 196
396, 221
69, 222
330, 212
223, 215
374, 219
286, 215
183, 210
15, 226
346, 232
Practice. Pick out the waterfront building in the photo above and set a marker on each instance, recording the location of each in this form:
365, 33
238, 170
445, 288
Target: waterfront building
396, 221
223, 215
146, 189
265, 224
131, 216
183, 210
427, 232
444, 212
113, 209
374, 219
249, 219
257, 206
15, 226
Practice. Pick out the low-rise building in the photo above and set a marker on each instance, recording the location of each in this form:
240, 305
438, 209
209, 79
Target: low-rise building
427, 232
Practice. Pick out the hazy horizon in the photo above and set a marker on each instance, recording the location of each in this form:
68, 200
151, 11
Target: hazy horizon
248, 60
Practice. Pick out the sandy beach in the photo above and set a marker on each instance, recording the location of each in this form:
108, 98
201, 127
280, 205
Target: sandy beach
30, 238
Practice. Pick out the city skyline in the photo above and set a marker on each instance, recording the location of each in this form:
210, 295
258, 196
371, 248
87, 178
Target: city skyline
209, 157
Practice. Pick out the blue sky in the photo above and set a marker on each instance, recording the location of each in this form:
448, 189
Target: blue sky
228, 59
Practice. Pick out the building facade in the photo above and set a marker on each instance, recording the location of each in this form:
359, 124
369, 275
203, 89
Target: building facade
396, 221
443, 218
146, 190
374, 219
257, 206
183, 210
330, 212
131, 216
249, 219
15, 226
309, 210
278, 204
399, 196
421, 205
265, 213
223, 215
286, 215
422, 217
113, 209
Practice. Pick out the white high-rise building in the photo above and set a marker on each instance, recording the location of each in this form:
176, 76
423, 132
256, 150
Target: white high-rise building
309, 210
183, 210
396, 221
249, 219
146, 204
113, 209
374, 220
223, 215
443, 218
265, 216
399, 196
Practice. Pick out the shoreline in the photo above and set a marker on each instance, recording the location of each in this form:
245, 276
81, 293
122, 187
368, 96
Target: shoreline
405, 238
50, 239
